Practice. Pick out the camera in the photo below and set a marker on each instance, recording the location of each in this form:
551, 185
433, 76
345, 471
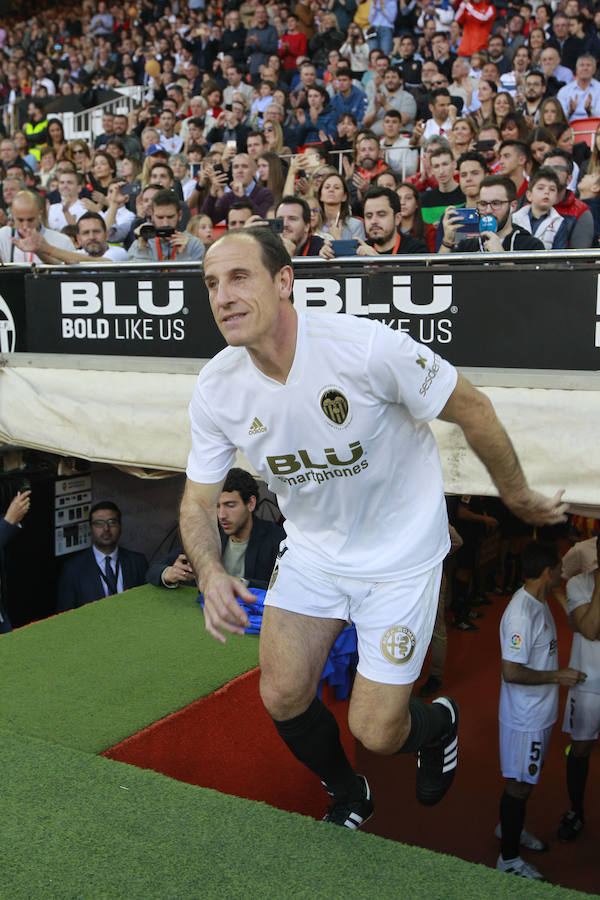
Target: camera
276, 225
149, 231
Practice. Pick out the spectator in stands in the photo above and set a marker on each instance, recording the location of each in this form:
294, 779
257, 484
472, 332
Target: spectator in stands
36, 127
221, 197
70, 208
90, 242
513, 157
256, 144
318, 122
356, 50
130, 141
103, 569
476, 18
349, 98
497, 198
383, 218
56, 138
382, 18
435, 201
297, 235
535, 89
538, 216
249, 544
270, 174
440, 122
338, 223
108, 131
201, 226
579, 219
292, 45
411, 215
238, 214
514, 127
27, 212
540, 141
462, 137
274, 137
229, 126
261, 41
390, 96
482, 104
399, 151
176, 244
10, 526
580, 99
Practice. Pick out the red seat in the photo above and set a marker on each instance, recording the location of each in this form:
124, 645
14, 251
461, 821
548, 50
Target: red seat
586, 129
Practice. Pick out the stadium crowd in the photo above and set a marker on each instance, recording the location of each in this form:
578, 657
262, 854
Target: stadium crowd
244, 105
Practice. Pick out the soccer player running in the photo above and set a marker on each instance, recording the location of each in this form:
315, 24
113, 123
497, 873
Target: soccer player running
343, 405
582, 712
528, 699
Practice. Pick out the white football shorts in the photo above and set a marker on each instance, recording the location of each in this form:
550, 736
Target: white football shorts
522, 753
582, 715
394, 619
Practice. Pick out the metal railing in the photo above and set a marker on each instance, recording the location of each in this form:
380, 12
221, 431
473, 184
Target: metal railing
87, 124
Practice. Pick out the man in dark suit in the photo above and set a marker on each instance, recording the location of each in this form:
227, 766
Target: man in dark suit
104, 568
249, 545
243, 186
9, 527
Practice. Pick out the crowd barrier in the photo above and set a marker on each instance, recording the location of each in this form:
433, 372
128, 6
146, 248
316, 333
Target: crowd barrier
510, 311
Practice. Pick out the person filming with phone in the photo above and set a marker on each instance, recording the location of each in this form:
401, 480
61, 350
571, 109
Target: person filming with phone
497, 234
162, 237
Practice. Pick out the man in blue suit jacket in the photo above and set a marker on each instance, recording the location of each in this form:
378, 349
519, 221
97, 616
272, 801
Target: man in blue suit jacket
249, 545
9, 527
104, 568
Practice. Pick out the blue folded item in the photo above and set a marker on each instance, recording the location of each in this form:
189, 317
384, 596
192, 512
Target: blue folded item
343, 657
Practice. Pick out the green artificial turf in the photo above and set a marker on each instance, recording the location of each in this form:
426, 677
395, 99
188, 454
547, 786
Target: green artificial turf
96, 675
79, 826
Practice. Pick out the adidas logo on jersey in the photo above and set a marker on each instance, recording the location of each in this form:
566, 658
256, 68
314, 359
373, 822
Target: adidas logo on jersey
257, 427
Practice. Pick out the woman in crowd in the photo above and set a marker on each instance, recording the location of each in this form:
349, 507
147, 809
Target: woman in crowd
540, 141
513, 127
565, 140
213, 95
104, 169
317, 122
503, 105
486, 94
356, 50
536, 41
116, 149
411, 221
591, 166
274, 138
334, 201
20, 139
270, 174
81, 155
464, 132
56, 139
551, 111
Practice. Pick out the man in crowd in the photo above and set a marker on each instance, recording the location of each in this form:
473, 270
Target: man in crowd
580, 99
249, 544
90, 236
577, 214
399, 152
229, 127
435, 202
322, 492
582, 711
497, 198
295, 213
235, 85
70, 208
535, 90
382, 226
243, 184
440, 122
172, 243
103, 569
27, 212
390, 96
528, 698
238, 214
513, 157
170, 141
349, 97
261, 41
556, 76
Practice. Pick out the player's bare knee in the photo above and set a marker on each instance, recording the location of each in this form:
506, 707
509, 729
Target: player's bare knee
379, 735
284, 700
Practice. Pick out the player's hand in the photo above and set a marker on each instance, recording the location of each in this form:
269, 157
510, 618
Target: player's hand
179, 571
18, 508
570, 677
536, 509
222, 612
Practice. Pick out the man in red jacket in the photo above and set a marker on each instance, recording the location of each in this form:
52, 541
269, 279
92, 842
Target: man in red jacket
476, 18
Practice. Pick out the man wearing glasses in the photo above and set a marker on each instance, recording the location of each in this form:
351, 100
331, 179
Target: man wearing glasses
497, 198
103, 569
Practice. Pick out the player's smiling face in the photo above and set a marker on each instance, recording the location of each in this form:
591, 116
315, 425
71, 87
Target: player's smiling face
245, 299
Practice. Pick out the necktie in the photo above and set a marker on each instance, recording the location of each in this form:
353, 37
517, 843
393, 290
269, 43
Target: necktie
111, 581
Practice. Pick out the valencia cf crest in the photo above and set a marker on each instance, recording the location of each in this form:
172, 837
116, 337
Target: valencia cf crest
335, 406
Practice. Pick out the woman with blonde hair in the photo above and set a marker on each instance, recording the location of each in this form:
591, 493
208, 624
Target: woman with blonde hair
80, 155
274, 138
551, 111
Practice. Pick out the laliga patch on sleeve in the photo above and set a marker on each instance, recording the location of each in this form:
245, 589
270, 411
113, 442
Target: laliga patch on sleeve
516, 641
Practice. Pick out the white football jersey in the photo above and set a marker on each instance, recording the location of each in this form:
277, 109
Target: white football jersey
585, 654
344, 443
528, 637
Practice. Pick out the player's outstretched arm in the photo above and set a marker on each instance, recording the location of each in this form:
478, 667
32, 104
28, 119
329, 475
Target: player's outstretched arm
200, 536
473, 412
